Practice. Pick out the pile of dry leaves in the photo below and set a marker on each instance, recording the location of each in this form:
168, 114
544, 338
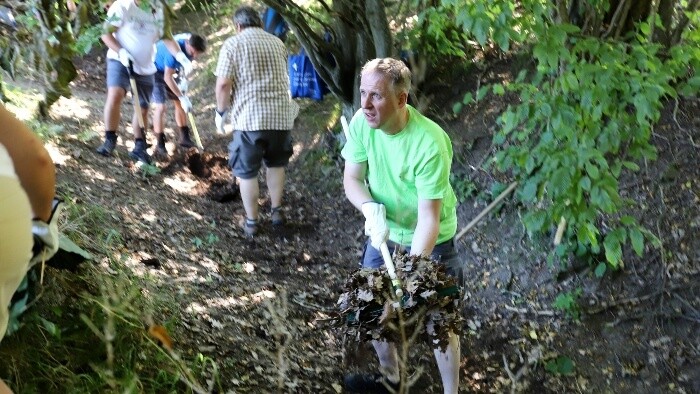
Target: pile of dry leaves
370, 309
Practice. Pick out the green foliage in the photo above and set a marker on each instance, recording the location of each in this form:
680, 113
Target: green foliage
432, 32
463, 187
561, 365
568, 302
585, 117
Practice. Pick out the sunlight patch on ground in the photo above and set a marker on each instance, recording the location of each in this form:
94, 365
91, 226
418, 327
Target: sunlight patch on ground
193, 214
180, 184
56, 155
149, 216
95, 175
227, 302
73, 108
262, 295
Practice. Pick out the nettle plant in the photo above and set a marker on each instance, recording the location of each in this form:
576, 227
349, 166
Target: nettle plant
585, 116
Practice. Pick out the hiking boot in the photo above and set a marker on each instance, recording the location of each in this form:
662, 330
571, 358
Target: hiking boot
277, 216
107, 147
160, 152
185, 140
139, 153
250, 227
369, 383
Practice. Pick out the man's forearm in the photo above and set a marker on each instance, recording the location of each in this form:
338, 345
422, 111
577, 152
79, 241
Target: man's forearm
356, 192
223, 93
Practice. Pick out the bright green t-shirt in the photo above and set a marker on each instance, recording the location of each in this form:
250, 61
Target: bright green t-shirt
404, 168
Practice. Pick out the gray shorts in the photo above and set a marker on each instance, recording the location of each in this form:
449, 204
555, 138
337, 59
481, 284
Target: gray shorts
445, 253
161, 90
249, 149
118, 76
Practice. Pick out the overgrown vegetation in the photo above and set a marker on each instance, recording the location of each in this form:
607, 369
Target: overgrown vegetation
586, 111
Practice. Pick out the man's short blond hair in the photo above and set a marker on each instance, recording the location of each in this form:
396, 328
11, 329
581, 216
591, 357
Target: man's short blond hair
394, 69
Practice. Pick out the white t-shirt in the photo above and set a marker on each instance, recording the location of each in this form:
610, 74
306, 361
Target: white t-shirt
138, 32
7, 169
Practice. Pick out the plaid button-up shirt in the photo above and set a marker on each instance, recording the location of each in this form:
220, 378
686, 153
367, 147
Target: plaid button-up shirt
256, 63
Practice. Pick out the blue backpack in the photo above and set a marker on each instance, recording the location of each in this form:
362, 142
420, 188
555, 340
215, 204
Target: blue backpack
274, 23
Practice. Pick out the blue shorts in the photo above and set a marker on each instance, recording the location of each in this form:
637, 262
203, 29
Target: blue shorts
445, 253
249, 149
118, 76
161, 90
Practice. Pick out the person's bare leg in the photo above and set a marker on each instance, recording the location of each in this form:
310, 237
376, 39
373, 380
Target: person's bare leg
275, 185
159, 118
138, 133
388, 359
250, 191
448, 364
112, 110
180, 115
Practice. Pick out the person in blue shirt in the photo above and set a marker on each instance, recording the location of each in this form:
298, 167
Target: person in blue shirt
171, 84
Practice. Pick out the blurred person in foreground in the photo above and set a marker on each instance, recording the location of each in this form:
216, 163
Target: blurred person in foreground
27, 188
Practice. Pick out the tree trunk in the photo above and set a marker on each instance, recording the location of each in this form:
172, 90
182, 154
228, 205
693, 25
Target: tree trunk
359, 32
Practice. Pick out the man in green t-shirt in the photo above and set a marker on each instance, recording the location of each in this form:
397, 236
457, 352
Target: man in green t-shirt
397, 165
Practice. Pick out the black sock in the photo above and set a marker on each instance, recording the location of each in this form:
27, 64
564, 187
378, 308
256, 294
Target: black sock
161, 139
185, 129
111, 135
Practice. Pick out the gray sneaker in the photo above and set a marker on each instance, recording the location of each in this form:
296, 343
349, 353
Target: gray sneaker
277, 216
250, 227
107, 147
139, 153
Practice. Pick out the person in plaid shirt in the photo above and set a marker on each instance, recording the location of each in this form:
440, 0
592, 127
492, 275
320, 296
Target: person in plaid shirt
252, 72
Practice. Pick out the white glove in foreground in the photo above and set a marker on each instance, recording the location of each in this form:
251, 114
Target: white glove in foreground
185, 62
376, 226
219, 120
47, 234
186, 103
125, 57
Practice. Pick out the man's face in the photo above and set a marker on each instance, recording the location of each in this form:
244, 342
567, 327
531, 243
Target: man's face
191, 51
380, 103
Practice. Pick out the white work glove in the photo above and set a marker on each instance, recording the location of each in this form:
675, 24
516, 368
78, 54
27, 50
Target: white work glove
185, 62
376, 226
46, 236
186, 103
220, 120
125, 57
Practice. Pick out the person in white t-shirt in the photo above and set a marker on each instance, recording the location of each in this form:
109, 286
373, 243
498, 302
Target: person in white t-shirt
27, 187
131, 30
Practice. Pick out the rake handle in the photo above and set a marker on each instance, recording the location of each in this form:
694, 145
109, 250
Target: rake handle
384, 249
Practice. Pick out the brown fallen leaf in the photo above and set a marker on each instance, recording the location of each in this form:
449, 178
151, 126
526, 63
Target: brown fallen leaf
160, 333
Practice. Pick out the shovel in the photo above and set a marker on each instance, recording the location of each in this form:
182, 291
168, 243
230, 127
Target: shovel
135, 94
197, 140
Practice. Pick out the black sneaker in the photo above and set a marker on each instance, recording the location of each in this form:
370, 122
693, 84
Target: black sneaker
369, 383
185, 140
277, 216
107, 147
139, 153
